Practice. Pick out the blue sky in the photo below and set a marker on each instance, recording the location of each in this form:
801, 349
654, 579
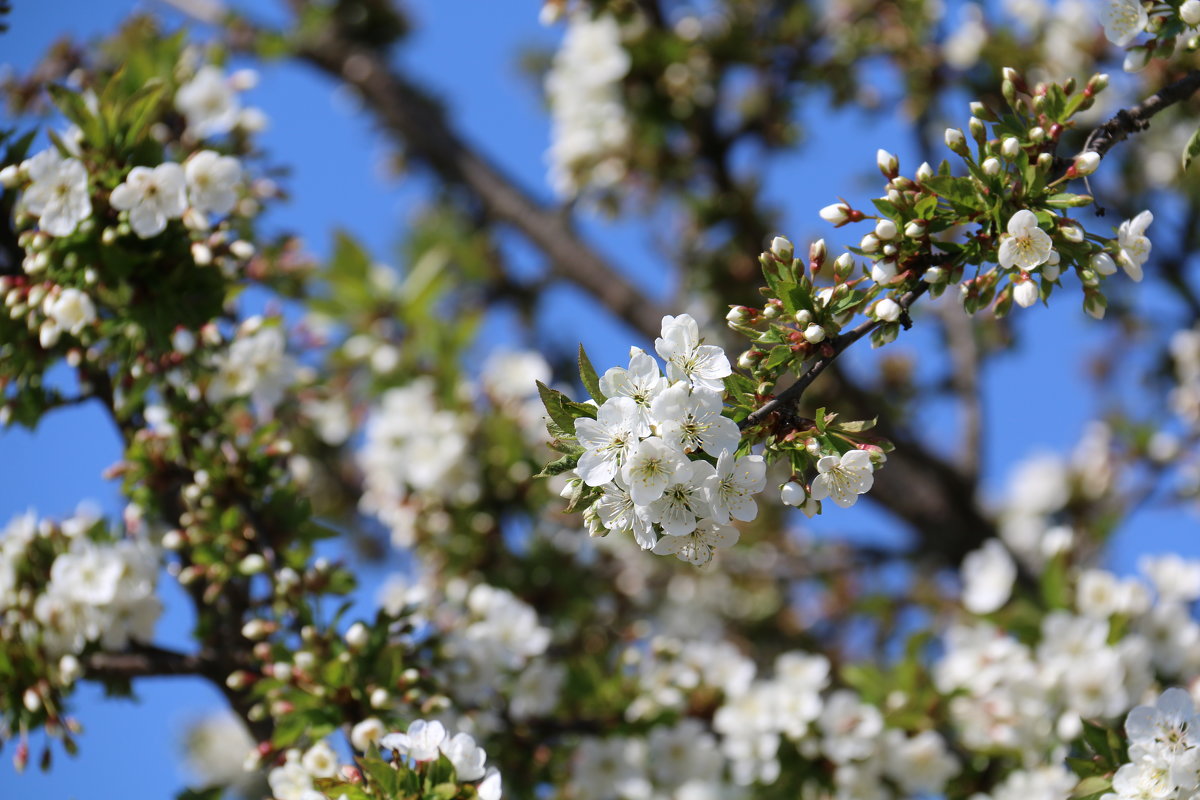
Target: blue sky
466, 49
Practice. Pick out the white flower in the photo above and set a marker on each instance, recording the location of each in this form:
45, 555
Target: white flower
212, 181
843, 478
1124, 20
467, 758
367, 733
256, 366
618, 512
290, 781
152, 196
489, 788
320, 761
691, 420
988, 574
793, 494
850, 727
814, 333
511, 376
607, 439
1133, 244
216, 748
208, 102
1174, 577
687, 360
697, 547
1170, 724
71, 310
731, 489
1025, 293
642, 382
682, 503
651, 466
920, 765
1026, 245
58, 192
420, 743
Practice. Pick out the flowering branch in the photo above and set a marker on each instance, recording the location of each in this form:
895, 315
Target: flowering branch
1135, 120
791, 395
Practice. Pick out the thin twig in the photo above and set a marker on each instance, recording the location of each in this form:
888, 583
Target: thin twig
791, 395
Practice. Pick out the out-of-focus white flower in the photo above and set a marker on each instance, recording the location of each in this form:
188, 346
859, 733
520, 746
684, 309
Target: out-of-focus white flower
1134, 244
209, 103
988, 575
212, 181
152, 197
58, 192
1124, 20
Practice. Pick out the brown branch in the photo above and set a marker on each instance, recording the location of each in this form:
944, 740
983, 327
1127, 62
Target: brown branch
1137, 119
144, 661
963, 347
791, 395
410, 114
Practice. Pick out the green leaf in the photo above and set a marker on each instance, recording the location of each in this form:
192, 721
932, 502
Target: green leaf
558, 466
960, 191
587, 374
1092, 785
857, 426
1068, 200
1192, 149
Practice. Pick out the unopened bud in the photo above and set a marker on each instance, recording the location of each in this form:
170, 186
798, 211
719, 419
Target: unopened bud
380, 698
887, 310
888, 164
814, 334
357, 636
1037, 134
10, 176
978, 130
915, 229
1087, 162
257, 629
792, 494
956, 141
239, 680
1010, 147
782, 249
836, 214
885, 230
869, 243
817, 253
991, 166
253, 564
924, 172
738, 315
1045, 161
843, 266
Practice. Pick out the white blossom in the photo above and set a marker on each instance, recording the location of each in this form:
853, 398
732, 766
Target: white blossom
1134, 246
1124, 20
209, 103
641, 382
691, 420
58, 193
682, 503
608, 439
843, 478
212, 181
420, 743
1025, 245
152, 197
651, 466
467, 758
702, 366
988, 575
697, 546
731, 489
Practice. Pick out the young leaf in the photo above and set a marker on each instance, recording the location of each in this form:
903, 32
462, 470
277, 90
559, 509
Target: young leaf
1192, 149
587, 373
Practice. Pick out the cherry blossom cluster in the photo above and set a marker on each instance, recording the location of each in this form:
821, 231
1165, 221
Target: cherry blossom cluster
1164, 753
415, 449
1095, 662
414, 752
664, 455
591, 129
492, 646
255, 365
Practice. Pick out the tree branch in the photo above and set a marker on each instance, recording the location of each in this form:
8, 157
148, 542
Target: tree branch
791, 395
144, 661
1137, 119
